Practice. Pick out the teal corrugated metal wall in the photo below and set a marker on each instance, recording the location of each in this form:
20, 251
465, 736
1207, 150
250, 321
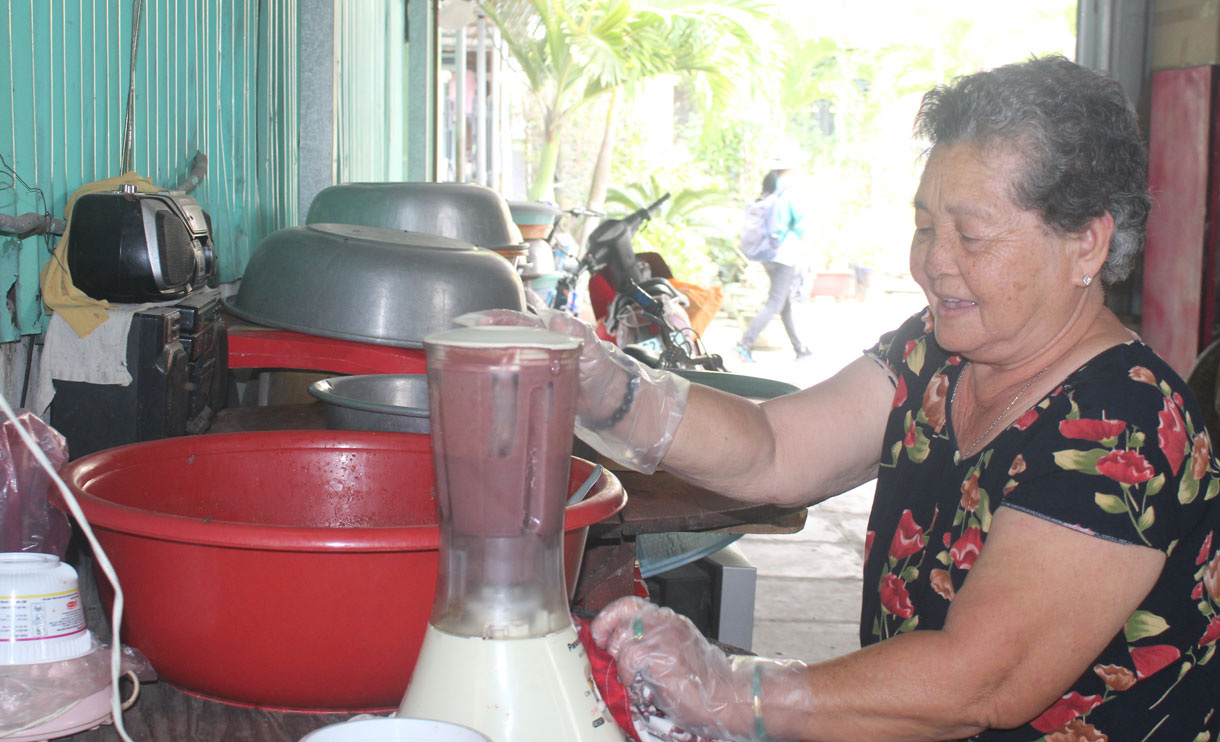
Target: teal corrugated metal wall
216, 76
371, 92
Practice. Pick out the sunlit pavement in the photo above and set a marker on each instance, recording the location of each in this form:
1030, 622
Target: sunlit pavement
807, 604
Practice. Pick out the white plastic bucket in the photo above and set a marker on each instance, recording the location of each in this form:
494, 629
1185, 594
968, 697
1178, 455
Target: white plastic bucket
393, 729
41, 618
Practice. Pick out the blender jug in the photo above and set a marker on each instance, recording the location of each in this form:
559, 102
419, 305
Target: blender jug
500, 654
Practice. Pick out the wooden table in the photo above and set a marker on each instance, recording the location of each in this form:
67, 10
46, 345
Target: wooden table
165, 714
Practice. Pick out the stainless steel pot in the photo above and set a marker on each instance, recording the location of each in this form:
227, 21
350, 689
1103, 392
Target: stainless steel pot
381, 286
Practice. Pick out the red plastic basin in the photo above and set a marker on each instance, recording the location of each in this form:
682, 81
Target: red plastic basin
283, 570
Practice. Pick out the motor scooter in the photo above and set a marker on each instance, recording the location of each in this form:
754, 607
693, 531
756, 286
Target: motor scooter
641, 313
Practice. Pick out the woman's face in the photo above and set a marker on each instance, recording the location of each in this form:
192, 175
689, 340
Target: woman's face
998, 280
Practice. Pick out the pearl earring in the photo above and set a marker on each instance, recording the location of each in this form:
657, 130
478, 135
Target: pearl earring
1086, 280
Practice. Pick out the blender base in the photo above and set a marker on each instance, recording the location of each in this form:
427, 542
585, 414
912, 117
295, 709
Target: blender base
512, 690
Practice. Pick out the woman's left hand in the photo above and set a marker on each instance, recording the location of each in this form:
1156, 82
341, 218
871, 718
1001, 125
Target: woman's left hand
697, 685
691, 680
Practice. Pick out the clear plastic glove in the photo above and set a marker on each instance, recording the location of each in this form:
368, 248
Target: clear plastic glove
626, 411
699, 687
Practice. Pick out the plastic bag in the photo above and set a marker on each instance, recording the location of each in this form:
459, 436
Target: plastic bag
34, 694
27, 520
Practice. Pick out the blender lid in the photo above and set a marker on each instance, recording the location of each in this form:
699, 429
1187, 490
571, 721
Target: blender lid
501, 336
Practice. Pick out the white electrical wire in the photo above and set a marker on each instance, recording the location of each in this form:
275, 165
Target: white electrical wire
116, 614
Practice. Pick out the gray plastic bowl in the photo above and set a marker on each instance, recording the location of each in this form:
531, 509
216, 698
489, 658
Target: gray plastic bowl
394, 403
462, 211
371, 285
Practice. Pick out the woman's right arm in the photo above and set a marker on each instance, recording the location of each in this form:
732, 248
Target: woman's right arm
792, 450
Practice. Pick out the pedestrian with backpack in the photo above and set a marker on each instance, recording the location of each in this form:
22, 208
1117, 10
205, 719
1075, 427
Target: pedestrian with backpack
773, 235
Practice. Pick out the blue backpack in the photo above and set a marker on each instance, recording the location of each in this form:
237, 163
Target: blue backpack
763, 229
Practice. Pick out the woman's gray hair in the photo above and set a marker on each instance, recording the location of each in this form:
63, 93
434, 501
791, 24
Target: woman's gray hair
1077, 133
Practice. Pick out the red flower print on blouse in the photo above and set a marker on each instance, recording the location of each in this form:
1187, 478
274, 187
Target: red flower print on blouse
1200, 456
908, 348
1076, 730
1018, 466
1091, 430
1027, 419
1115, 677
895, 598
1211, 578
928, 322
1064, 710
942, 583
908, 539
1204, 551
1151, 660
966, 549
970, 492
1127, 467
1171, 434
868, 543
909, 440
934, 397
900, 393
1212, 633
1139, 373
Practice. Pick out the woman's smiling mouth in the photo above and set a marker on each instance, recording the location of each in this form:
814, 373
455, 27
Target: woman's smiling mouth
952, 304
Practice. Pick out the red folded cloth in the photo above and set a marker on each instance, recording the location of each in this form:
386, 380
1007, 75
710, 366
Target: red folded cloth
605, 677
631, 706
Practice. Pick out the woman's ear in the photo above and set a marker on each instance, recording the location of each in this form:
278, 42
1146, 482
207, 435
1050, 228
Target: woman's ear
1092, 245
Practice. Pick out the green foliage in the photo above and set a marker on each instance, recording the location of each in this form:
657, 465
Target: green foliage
689, 230
571, 51
841, 81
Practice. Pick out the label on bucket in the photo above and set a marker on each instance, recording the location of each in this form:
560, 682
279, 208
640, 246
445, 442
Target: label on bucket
28, 617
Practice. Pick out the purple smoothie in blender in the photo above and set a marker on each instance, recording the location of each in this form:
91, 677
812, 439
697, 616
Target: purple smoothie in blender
502, 403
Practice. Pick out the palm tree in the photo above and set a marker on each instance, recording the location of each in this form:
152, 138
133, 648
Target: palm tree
569, 51
572, 51
709, 43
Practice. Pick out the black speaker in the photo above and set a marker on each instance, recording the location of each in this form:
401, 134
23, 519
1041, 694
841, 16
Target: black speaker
130, 247
206, 342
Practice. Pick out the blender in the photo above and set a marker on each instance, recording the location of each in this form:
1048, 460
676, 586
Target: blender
500, 654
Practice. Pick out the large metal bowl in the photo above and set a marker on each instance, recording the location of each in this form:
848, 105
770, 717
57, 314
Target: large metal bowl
380, 286
462, 211
390, 403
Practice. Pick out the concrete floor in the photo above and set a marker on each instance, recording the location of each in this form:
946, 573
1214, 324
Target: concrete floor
807, 602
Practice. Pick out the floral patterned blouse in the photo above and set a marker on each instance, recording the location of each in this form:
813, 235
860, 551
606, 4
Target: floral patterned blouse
1118, 451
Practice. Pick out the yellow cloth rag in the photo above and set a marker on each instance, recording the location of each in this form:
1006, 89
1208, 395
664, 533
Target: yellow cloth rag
82, 312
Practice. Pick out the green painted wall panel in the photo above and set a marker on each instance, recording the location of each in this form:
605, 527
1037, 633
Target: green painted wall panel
212, 76
217, 76
370, 126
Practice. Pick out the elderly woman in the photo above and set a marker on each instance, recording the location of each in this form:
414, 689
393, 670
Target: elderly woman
1042, 547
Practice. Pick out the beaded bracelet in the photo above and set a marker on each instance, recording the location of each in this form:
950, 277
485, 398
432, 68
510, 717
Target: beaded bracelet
623, 408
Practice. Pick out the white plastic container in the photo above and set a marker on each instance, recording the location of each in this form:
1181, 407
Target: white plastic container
41, 618
393, 729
